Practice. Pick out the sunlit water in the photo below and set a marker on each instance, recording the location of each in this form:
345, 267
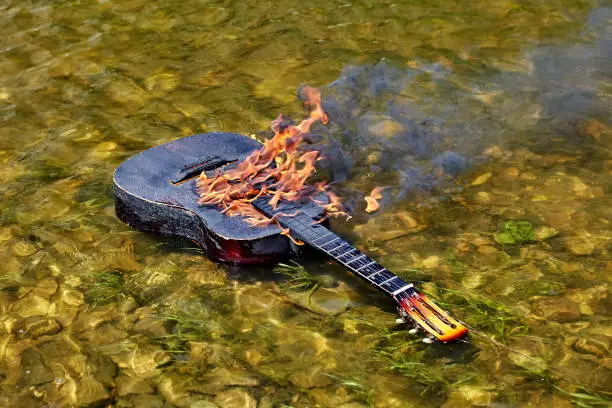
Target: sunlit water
476, 115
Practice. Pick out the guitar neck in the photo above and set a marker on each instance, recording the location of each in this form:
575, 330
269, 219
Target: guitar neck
304, 228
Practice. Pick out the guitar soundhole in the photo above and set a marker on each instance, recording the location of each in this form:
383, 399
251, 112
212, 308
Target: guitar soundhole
193, 170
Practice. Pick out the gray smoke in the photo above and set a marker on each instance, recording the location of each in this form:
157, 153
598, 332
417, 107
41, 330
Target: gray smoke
378, 121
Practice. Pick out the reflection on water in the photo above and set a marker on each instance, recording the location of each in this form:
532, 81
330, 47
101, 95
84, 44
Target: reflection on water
474, 114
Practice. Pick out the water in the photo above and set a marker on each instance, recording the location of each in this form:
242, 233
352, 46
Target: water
476, 115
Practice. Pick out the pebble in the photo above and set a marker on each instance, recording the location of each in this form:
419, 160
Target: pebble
511, 173
383, 126
432, 261
580, 189
473, 280
36, 326
235, 398
487, 249
331, 397
483, 197
328, 301
103, 150
143, 361
579, 245
483, 178
469, 395
312, 377
24, 248
147, 401
590, 346
481, 241
162, 83
528, 176
171, 387
543, 233
132, 385
557, 308
221, 378
127, 93
407, 219
32, 305
5, 233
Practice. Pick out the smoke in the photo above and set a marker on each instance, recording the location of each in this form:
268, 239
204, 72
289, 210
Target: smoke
416, 124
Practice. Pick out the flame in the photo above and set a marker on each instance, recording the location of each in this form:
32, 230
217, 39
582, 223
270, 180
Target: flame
275, 170
373, 198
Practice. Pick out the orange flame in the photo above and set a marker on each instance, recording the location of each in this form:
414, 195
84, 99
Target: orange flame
372, 199
275, 170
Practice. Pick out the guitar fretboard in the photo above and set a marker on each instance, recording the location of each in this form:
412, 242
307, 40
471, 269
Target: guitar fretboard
306, 229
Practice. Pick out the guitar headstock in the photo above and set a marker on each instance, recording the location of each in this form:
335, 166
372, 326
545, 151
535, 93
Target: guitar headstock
429, 316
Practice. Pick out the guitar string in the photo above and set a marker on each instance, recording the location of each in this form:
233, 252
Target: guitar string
307, 232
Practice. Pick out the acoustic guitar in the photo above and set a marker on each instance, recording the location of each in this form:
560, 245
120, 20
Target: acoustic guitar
156, 191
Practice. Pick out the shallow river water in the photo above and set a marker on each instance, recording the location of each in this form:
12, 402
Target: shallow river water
488, 121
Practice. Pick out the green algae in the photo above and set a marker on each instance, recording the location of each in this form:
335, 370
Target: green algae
515, 233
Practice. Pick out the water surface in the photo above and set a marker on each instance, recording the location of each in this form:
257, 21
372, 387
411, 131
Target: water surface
477, 115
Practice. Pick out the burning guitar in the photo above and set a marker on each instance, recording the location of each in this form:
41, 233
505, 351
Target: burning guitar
241, 201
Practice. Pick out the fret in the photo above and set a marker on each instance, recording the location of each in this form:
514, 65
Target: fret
402, 289
350, 254
393, 285
338, 248
395, 277
365, 266
381, 277
328, 243
351, 249
328, 234
370, 276
359, 258
359, 261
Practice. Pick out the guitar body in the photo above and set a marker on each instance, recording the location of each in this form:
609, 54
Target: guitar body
156, 191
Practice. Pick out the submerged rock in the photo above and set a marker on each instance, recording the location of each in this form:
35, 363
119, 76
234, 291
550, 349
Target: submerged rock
132, 385
329, 302
162, 83
32, 305
90, 391
211, 353
171, 387
143, 360
68, 306
147, 401
331, 397
235, 398
558, 309
580, 245
127, 93
37, 326
543, 233
312, 377
24, 248
591, 346
257, 300
483, 178
219, 379
470, 396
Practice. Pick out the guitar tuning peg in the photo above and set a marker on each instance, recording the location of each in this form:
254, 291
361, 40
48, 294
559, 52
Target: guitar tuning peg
428, 340
414, 330
400, 320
